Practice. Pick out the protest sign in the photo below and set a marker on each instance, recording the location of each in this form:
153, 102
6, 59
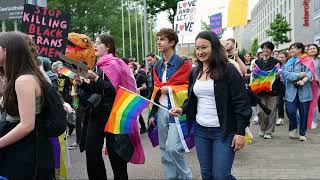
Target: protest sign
11, 9
48, 28
185, 18
216, 24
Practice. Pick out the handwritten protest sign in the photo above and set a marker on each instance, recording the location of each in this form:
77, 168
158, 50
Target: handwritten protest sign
216, 24
48, 28
185, 18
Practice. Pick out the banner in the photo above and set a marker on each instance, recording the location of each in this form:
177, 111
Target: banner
11, 9
48, 29
216, 24
237, 13
185, 17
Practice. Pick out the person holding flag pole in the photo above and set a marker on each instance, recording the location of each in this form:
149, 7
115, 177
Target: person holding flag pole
170, 90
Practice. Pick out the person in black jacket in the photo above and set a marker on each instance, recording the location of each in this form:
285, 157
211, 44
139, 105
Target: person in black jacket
102, 94
219, 104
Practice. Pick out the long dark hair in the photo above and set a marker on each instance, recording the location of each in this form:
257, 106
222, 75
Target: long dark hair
108, 41
298, 46
19, 60
218, 58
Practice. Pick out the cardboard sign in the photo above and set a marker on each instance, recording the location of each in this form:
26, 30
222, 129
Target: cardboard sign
185, 18
75, 66
216, 24
48, 28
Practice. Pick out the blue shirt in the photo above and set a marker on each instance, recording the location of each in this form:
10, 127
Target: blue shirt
172, 66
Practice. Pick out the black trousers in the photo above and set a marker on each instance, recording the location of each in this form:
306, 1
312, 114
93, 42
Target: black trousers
142, 123
94, 143
80, 113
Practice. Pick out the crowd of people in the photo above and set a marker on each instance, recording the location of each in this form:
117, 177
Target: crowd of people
218, 103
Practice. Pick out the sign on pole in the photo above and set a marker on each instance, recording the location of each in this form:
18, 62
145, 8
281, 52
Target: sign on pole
11, 9
48, 28
216, 24
185, 18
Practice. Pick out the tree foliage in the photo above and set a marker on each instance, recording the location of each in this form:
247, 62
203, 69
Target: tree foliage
156, 6
278, 30
254, 46
93, 17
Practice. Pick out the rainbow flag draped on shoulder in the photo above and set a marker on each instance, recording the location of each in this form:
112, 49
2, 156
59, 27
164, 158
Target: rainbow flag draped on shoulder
178, 93
262, 80
126, 108
308, 62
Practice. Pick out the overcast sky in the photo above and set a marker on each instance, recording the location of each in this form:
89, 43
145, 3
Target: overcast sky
205, 8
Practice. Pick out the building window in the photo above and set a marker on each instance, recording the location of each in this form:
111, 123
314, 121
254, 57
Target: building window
316, 5
289, 5
285, 6
281, 12
317, 26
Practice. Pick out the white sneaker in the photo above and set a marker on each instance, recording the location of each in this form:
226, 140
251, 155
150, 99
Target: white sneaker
267, 136
261, 133
279, 121
293, 134
302, 138
255, 119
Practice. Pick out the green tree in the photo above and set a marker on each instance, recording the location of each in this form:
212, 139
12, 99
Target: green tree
278, 30
156, 6
254, 46
93, 17
242, 52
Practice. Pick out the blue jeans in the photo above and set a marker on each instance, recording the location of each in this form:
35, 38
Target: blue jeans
172, 153
291, 108
215, 154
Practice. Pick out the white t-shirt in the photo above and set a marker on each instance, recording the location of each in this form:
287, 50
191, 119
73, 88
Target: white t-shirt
207, 114
164, 97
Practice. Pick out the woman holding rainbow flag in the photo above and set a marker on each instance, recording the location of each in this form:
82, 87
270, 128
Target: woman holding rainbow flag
301, 91
107, 76
219, 104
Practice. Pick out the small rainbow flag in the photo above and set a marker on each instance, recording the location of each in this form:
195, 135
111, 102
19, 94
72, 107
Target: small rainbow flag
126, 108
67, 72
262, 80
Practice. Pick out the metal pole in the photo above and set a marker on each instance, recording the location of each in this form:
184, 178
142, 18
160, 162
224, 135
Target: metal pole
3, 26
137, 35
129, 28
142, 42
15, 25
122, 16
151, 48
146, 33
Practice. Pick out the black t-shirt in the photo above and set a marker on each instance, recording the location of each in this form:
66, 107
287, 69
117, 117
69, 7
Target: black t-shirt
141, 78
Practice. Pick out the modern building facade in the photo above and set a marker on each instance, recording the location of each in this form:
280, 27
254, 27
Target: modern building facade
298, 14
316, 21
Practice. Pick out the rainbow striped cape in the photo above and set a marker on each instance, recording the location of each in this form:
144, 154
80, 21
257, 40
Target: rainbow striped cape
178, 93
262, 80
126, 108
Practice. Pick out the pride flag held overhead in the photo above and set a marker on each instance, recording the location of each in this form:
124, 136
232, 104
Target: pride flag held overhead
262, 80
126, 108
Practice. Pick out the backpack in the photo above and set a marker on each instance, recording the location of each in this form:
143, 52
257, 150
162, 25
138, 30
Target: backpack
52, 120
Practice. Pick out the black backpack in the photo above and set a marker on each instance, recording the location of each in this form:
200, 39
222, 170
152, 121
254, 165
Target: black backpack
52, 120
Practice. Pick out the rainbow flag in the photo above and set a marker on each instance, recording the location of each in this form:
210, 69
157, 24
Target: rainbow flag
262, 80
126, 108
67, 72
